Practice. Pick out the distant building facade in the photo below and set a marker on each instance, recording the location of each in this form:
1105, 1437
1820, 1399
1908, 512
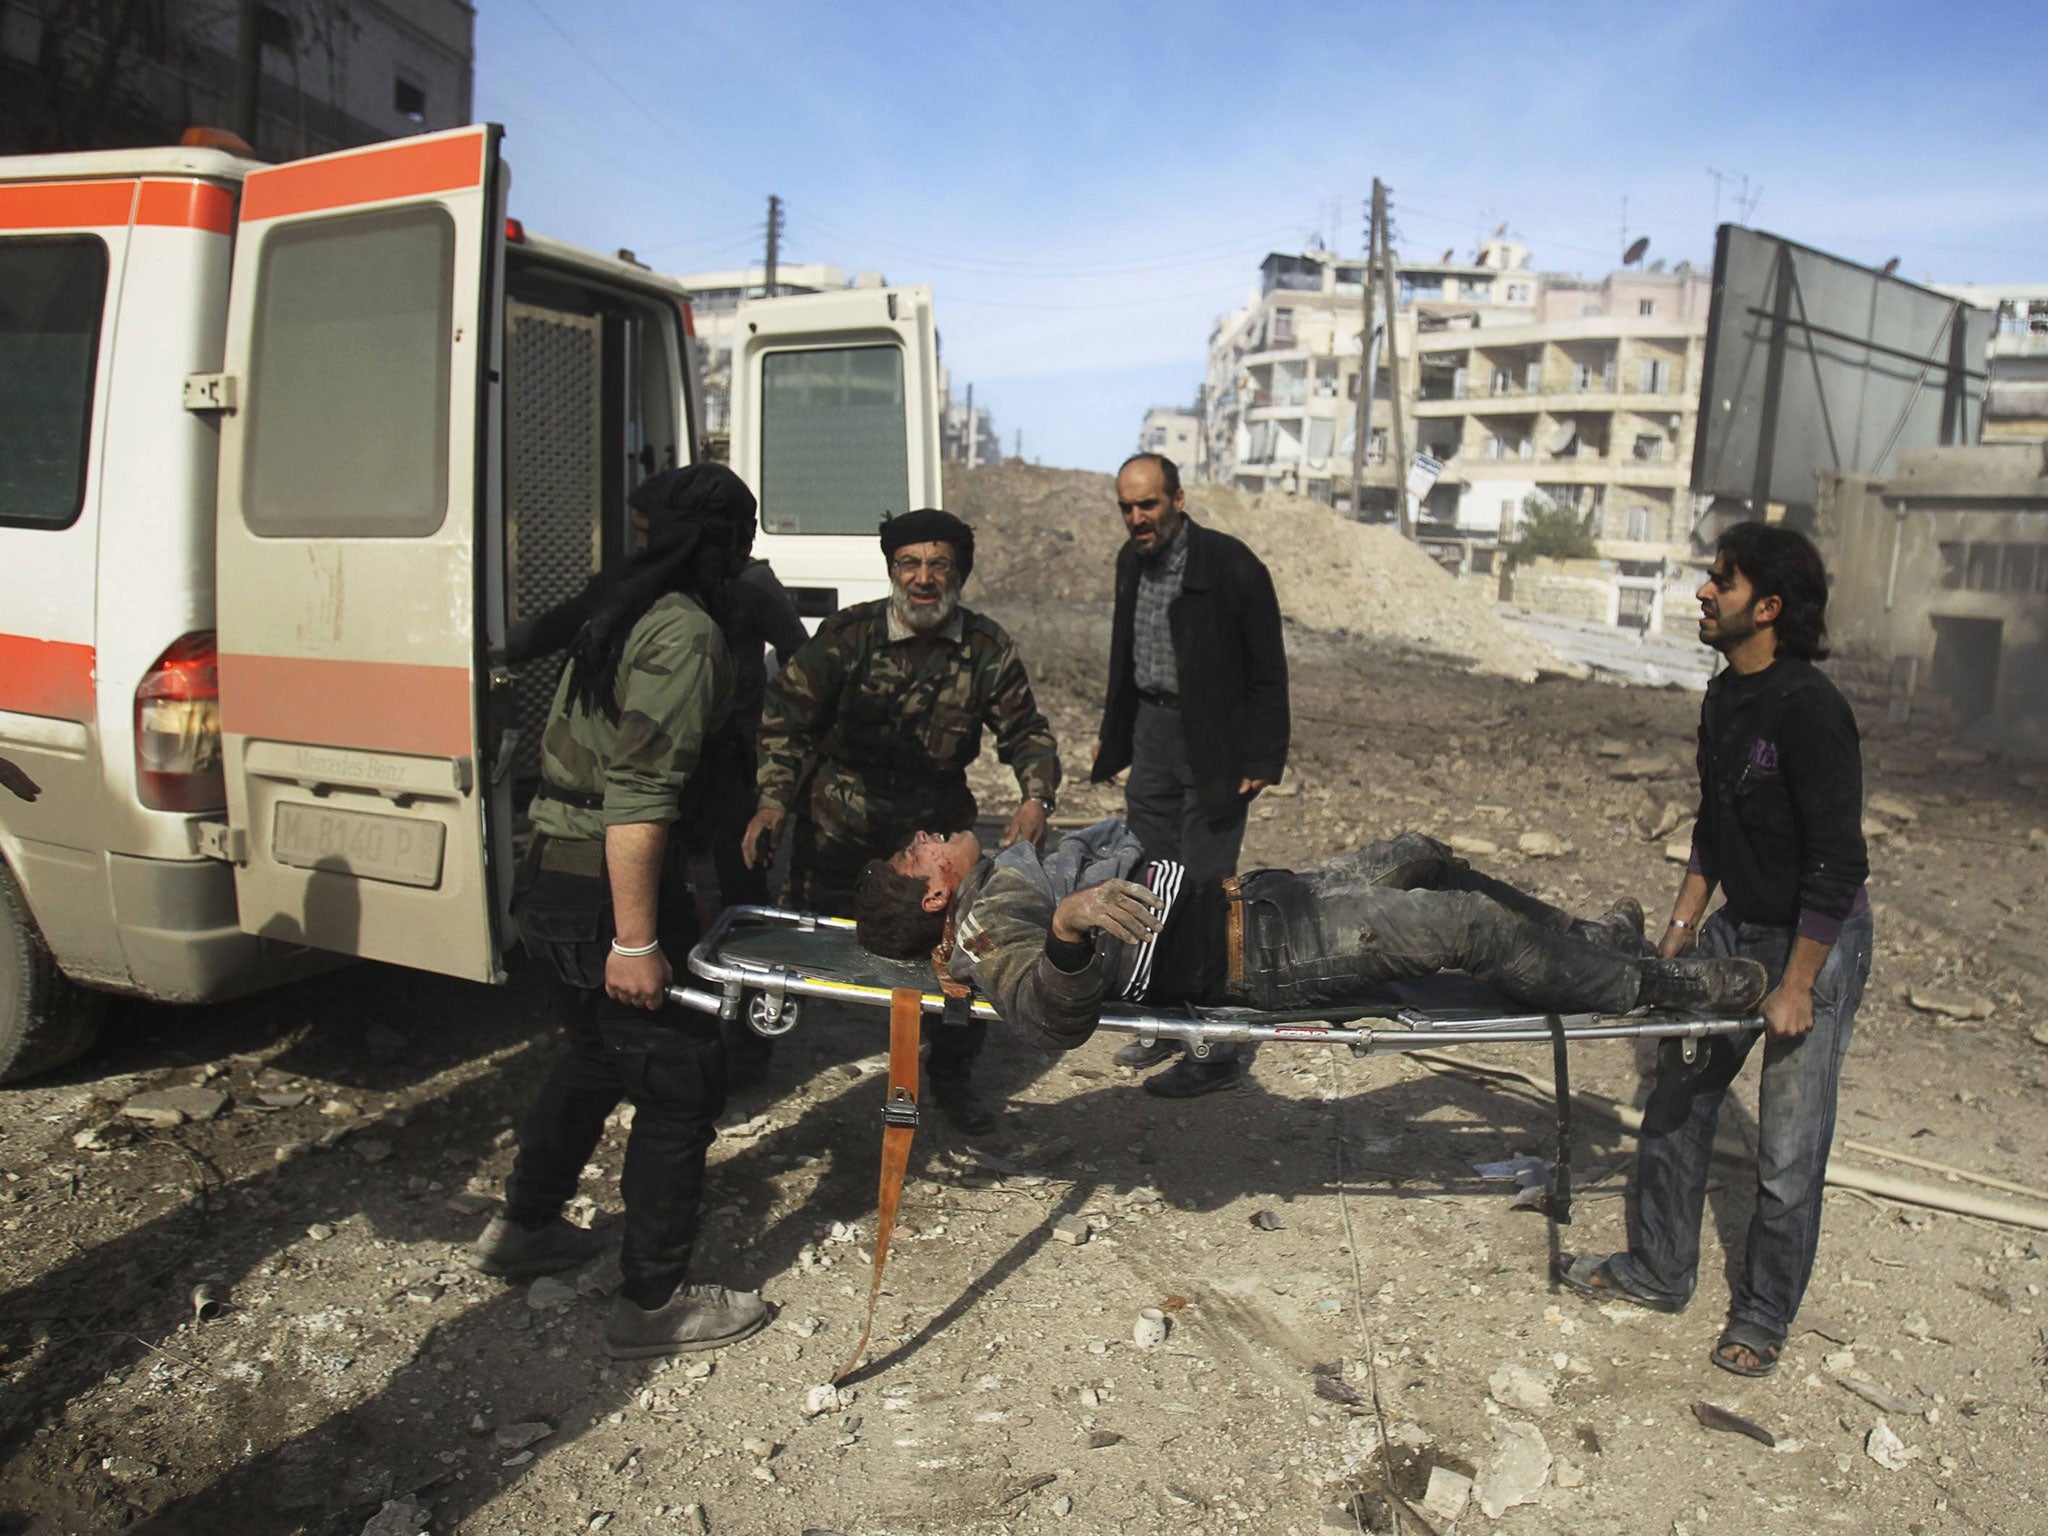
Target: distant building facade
2016, 402
108, 74
967, 432
1526, 387
1177, 433
1938, 601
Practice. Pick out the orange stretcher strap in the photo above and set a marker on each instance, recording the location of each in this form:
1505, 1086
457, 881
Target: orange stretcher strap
899, 1127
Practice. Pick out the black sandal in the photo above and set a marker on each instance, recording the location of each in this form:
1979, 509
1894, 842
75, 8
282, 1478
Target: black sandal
1763, 1346
1590, 1275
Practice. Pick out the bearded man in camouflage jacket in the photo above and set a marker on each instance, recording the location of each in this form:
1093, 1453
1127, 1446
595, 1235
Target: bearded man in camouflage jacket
887, 704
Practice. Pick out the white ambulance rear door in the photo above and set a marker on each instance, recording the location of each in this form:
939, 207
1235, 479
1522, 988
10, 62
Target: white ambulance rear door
835, 426
361, 560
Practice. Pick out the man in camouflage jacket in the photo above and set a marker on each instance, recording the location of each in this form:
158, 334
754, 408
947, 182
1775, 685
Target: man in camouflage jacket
886, 704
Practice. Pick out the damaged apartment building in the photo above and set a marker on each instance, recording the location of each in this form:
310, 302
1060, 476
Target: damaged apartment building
1527, 387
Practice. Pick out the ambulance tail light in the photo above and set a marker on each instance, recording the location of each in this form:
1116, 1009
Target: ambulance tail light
177, 729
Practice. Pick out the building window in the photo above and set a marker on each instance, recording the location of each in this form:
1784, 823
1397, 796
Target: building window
1518, 293
1582, 376
1507, 513
1638, 529
1376, 452
1482, 562
1983, 571
1646, 306
2017, 572
409, 101
1951, 566
1649, 446
1283, 327
1656, 376
1532, 376
1503, 381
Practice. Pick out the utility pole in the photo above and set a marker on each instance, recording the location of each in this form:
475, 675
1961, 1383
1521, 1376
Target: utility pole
973, 432
774, 245
1379, 211
1368, 360
248, 68
1019, 454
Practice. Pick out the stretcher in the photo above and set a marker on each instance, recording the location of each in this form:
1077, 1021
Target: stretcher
759, 964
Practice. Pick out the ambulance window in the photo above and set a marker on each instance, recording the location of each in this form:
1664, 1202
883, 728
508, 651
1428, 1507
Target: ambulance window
835, 453
51, 294
348, 377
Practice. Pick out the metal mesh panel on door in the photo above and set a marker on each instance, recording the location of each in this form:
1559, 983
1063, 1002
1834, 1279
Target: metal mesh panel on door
553, 435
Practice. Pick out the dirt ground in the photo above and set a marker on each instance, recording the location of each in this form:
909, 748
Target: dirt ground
1320, 1225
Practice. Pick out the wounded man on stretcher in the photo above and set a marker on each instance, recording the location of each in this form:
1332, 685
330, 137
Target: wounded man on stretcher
1050, 939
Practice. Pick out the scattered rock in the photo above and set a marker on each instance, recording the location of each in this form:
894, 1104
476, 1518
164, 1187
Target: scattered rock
1632, 769
825, 1399
1611, 748
1475, 847
1893, 807
600, 1277
1542, 845
755, 1446
128, 1469
399, 1517
370, 1151
1679, 849
1103, 1439
517, 1437
283, 1098
103, 1138
1266, 1221
1516, 1386
1063, 1506
167, 1107
319, 1232
802, 1327
1953, 1005
1071, 1230
290, 1151
1447, 1496
1517, 1470
470, 1203
550, 1291
2038, 1036
1885, 1448
340, 1109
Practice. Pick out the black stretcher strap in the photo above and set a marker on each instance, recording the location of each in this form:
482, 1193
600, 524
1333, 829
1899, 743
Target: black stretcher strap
1561, 1182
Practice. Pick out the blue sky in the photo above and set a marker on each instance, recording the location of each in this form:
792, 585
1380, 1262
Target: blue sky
1087, 186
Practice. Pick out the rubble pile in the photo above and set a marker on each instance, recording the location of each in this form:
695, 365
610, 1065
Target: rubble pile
1051, 536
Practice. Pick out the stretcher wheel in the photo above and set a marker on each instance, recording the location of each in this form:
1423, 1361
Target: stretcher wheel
1681, 1055
769, 1015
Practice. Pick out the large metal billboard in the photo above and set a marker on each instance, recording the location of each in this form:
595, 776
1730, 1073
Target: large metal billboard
1815, 363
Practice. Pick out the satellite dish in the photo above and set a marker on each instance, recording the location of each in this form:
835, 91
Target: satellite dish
1447, 255
1634, 253
1890, 267
1502, 230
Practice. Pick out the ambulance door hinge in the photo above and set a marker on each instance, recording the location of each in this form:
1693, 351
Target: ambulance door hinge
211, 392
218, 840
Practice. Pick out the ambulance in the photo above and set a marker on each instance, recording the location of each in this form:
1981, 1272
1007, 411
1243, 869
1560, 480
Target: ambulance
284, 449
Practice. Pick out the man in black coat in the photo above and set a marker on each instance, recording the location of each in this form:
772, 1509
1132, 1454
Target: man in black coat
1197, 703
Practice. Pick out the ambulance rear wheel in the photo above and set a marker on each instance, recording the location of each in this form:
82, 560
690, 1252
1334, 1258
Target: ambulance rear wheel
45, 1018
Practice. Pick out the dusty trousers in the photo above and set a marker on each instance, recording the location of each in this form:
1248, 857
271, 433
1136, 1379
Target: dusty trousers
1409, 907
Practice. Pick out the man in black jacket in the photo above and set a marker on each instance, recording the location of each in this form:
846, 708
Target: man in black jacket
1197, 702
1780, 831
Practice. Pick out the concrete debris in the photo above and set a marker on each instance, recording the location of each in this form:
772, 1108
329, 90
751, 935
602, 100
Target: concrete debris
1473, 847
825, 1399
1447, 1495
550, 1291
1516, 1386
757, 1447
1611, 748
1071, 1230
1629, 770
517, 1437
1679, 849
1893, 807
1885, 1448
1517, 1470
1063, 1506
167, 1107
370, 1151
1879, 1398
1953, 1005
103, 1138
128, 1469
802, 1327
399, 1517
1542, 845
2037, 838
470, 1203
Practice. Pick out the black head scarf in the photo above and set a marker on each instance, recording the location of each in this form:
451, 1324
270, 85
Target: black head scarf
700, 526
928, 525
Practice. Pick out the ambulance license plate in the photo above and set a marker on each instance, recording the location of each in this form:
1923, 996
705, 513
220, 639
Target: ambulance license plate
397, 849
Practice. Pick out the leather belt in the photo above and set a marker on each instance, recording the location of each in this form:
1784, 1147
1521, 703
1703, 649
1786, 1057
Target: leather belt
1233, 923
1159, 698
899, 1127
583, 800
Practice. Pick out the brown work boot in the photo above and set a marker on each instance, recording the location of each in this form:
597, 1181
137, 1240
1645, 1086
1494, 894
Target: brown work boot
697, 1317
1724, 986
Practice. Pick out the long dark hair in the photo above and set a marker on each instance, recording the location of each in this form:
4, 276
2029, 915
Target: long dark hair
700, 528
1781, 562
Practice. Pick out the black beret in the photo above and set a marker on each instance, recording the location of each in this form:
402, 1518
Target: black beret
928, 525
